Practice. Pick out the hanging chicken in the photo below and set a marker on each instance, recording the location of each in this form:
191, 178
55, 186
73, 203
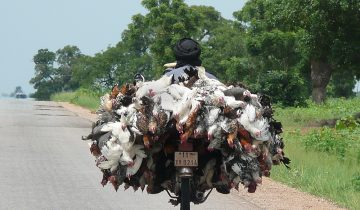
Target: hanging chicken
141, 125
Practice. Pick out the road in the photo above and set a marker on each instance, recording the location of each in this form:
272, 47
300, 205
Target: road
45, 165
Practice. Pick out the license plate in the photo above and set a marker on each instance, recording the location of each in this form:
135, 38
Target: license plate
189, 159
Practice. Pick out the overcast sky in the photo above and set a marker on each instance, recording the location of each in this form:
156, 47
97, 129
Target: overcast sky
92, 25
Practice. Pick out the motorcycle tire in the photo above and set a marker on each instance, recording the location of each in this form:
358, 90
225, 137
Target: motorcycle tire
185, 194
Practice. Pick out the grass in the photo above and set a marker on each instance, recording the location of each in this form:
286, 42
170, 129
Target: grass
295, 117
319, 173
325, 162
81, 97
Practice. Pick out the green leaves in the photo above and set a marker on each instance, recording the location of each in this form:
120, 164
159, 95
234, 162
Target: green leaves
328, 140
286, 88
49, 79
343, 141
277, 51
347, 123
287, 34
269, 47
44, 57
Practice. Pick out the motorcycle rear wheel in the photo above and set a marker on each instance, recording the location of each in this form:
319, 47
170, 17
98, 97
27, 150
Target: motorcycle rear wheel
185, 194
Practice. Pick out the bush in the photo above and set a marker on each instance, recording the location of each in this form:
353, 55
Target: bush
327, 140
285, 88
342, 141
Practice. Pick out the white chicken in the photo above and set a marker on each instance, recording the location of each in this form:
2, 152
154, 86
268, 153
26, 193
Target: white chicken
209, 81
183, 108
232, 103
112, 153
257, 127
105, 102
129, 152
118, 130
177, 91
153, 87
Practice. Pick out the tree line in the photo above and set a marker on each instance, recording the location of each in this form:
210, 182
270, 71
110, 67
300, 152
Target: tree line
288, 49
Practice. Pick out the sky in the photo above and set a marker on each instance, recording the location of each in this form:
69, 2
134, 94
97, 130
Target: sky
92, 25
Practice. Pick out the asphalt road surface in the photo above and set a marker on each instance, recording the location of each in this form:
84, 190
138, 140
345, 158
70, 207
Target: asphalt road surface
45, 165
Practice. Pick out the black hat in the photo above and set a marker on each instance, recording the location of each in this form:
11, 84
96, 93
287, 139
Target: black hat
188, 51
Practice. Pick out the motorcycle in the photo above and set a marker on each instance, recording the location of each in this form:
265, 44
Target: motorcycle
130, 149
185, 160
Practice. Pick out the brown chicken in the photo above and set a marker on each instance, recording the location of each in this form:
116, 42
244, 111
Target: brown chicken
229, 112
124, 89
94, 149
146, 140
189, 126
105, 178
127, 89
114, 182
230, 139
189, 83
114, 91
184, 136
153, 124
163, 119
149, 176
245, 139
233, 131
142, 123
190, 122
264, 167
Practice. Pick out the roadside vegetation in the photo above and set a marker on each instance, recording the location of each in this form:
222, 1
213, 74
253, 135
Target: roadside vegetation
82, 97
312, 114
324, 161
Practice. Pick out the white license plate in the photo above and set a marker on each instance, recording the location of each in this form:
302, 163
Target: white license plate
189, 159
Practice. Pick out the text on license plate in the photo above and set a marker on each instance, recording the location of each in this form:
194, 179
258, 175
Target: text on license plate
186, 159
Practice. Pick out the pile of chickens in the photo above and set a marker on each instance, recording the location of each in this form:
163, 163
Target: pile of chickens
142, 124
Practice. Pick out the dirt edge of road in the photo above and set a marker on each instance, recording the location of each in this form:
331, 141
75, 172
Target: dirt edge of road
269, 195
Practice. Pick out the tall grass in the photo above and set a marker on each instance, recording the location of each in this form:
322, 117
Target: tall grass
320, 173
325, 162
82, 97
295, 117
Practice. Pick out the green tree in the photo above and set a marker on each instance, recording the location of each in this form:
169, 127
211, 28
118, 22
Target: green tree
44, 81
84, 71
65, 58
117, 64
276, 62
53, 71
135, 45
225, 54
168, 21
328, 30
147, 43
96, 72
332, 39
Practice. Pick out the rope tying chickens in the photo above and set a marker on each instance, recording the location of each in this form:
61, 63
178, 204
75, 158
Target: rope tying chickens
141, 125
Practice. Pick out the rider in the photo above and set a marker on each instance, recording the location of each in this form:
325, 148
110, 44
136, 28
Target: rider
187, 54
